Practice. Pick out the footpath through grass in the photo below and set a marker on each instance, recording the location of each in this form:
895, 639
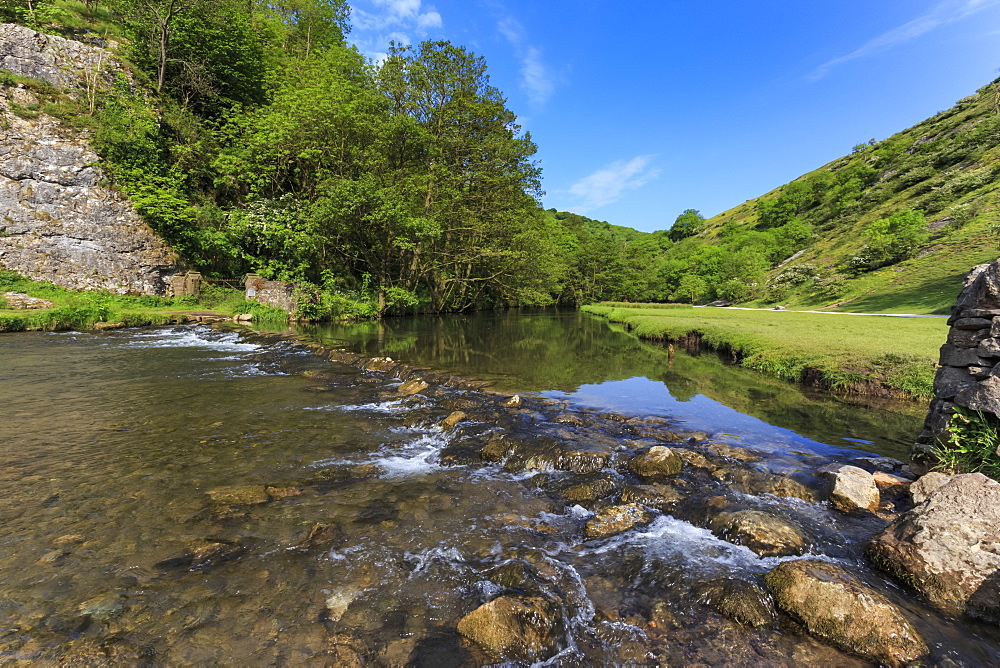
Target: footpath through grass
82, 310
845, 353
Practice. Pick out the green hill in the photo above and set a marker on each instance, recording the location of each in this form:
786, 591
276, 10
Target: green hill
892, 227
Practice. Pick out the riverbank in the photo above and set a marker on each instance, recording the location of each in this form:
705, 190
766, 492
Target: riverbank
864, 354
27, 305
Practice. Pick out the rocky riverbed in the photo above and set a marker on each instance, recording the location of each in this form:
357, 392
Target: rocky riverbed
346, 510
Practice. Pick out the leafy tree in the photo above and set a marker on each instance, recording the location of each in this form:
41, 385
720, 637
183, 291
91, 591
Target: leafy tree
891, 239
689, 223
203, 52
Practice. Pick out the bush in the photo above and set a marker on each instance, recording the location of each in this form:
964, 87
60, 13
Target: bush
971, 444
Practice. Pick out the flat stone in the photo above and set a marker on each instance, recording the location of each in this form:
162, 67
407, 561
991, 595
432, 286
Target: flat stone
965, 338
972, 323
240, 495
732, 452
953, 356
379, 364
988, 348
412, 386
949, 381
19, 300
886, 481
981, 396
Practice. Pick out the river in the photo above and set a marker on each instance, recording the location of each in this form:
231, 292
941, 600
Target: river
187, 496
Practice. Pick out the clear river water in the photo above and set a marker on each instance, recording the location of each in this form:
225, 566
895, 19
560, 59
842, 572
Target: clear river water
189, 496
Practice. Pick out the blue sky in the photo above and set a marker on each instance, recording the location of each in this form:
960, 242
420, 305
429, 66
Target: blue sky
644, 108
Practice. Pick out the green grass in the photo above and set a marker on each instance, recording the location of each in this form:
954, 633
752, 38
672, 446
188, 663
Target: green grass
81, 310
845, 353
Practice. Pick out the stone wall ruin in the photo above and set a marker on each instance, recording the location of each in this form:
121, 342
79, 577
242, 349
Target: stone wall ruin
968, 374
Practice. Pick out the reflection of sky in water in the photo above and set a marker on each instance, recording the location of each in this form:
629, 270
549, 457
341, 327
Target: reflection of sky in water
642, 396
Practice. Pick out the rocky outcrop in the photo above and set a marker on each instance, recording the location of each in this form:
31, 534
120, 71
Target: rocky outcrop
842, 610
59, 223
948, 547
969, 369
64, 63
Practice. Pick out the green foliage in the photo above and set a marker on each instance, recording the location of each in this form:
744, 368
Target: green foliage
891, 239
688, 224
971, 444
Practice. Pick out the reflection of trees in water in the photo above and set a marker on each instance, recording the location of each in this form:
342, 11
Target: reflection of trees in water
533, 350
553, 349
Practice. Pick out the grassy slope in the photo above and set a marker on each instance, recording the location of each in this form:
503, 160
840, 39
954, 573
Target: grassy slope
845, 353
929, 282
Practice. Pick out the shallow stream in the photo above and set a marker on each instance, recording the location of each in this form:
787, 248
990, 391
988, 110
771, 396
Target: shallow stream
185, 496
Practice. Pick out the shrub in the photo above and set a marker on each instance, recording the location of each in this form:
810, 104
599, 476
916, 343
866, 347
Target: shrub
971, 444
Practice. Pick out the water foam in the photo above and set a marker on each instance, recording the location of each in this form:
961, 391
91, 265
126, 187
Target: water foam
418, 456
196, 337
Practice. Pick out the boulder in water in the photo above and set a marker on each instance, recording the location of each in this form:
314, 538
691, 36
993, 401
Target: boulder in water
658, 496
743, 602
854, 489
842, 610
513, 628
767, 535
617, 519
948, 547
657, 462
239, 495
452, 420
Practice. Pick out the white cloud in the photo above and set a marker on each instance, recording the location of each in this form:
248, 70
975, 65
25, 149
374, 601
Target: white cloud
383, 21
609, 183
536, 79
943, 13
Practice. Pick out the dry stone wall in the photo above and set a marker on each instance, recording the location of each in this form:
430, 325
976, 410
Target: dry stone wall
58, 222
969, 369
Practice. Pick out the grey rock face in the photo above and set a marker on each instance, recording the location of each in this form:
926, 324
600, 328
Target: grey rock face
61, 62
59, 223
948, 547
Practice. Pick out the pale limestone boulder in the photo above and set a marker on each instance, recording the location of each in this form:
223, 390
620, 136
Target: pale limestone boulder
948, 547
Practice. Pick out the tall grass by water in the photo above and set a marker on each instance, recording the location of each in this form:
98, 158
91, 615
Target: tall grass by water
846, 353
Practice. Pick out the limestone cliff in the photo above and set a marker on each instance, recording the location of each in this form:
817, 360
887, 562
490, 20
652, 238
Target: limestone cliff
58, 222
